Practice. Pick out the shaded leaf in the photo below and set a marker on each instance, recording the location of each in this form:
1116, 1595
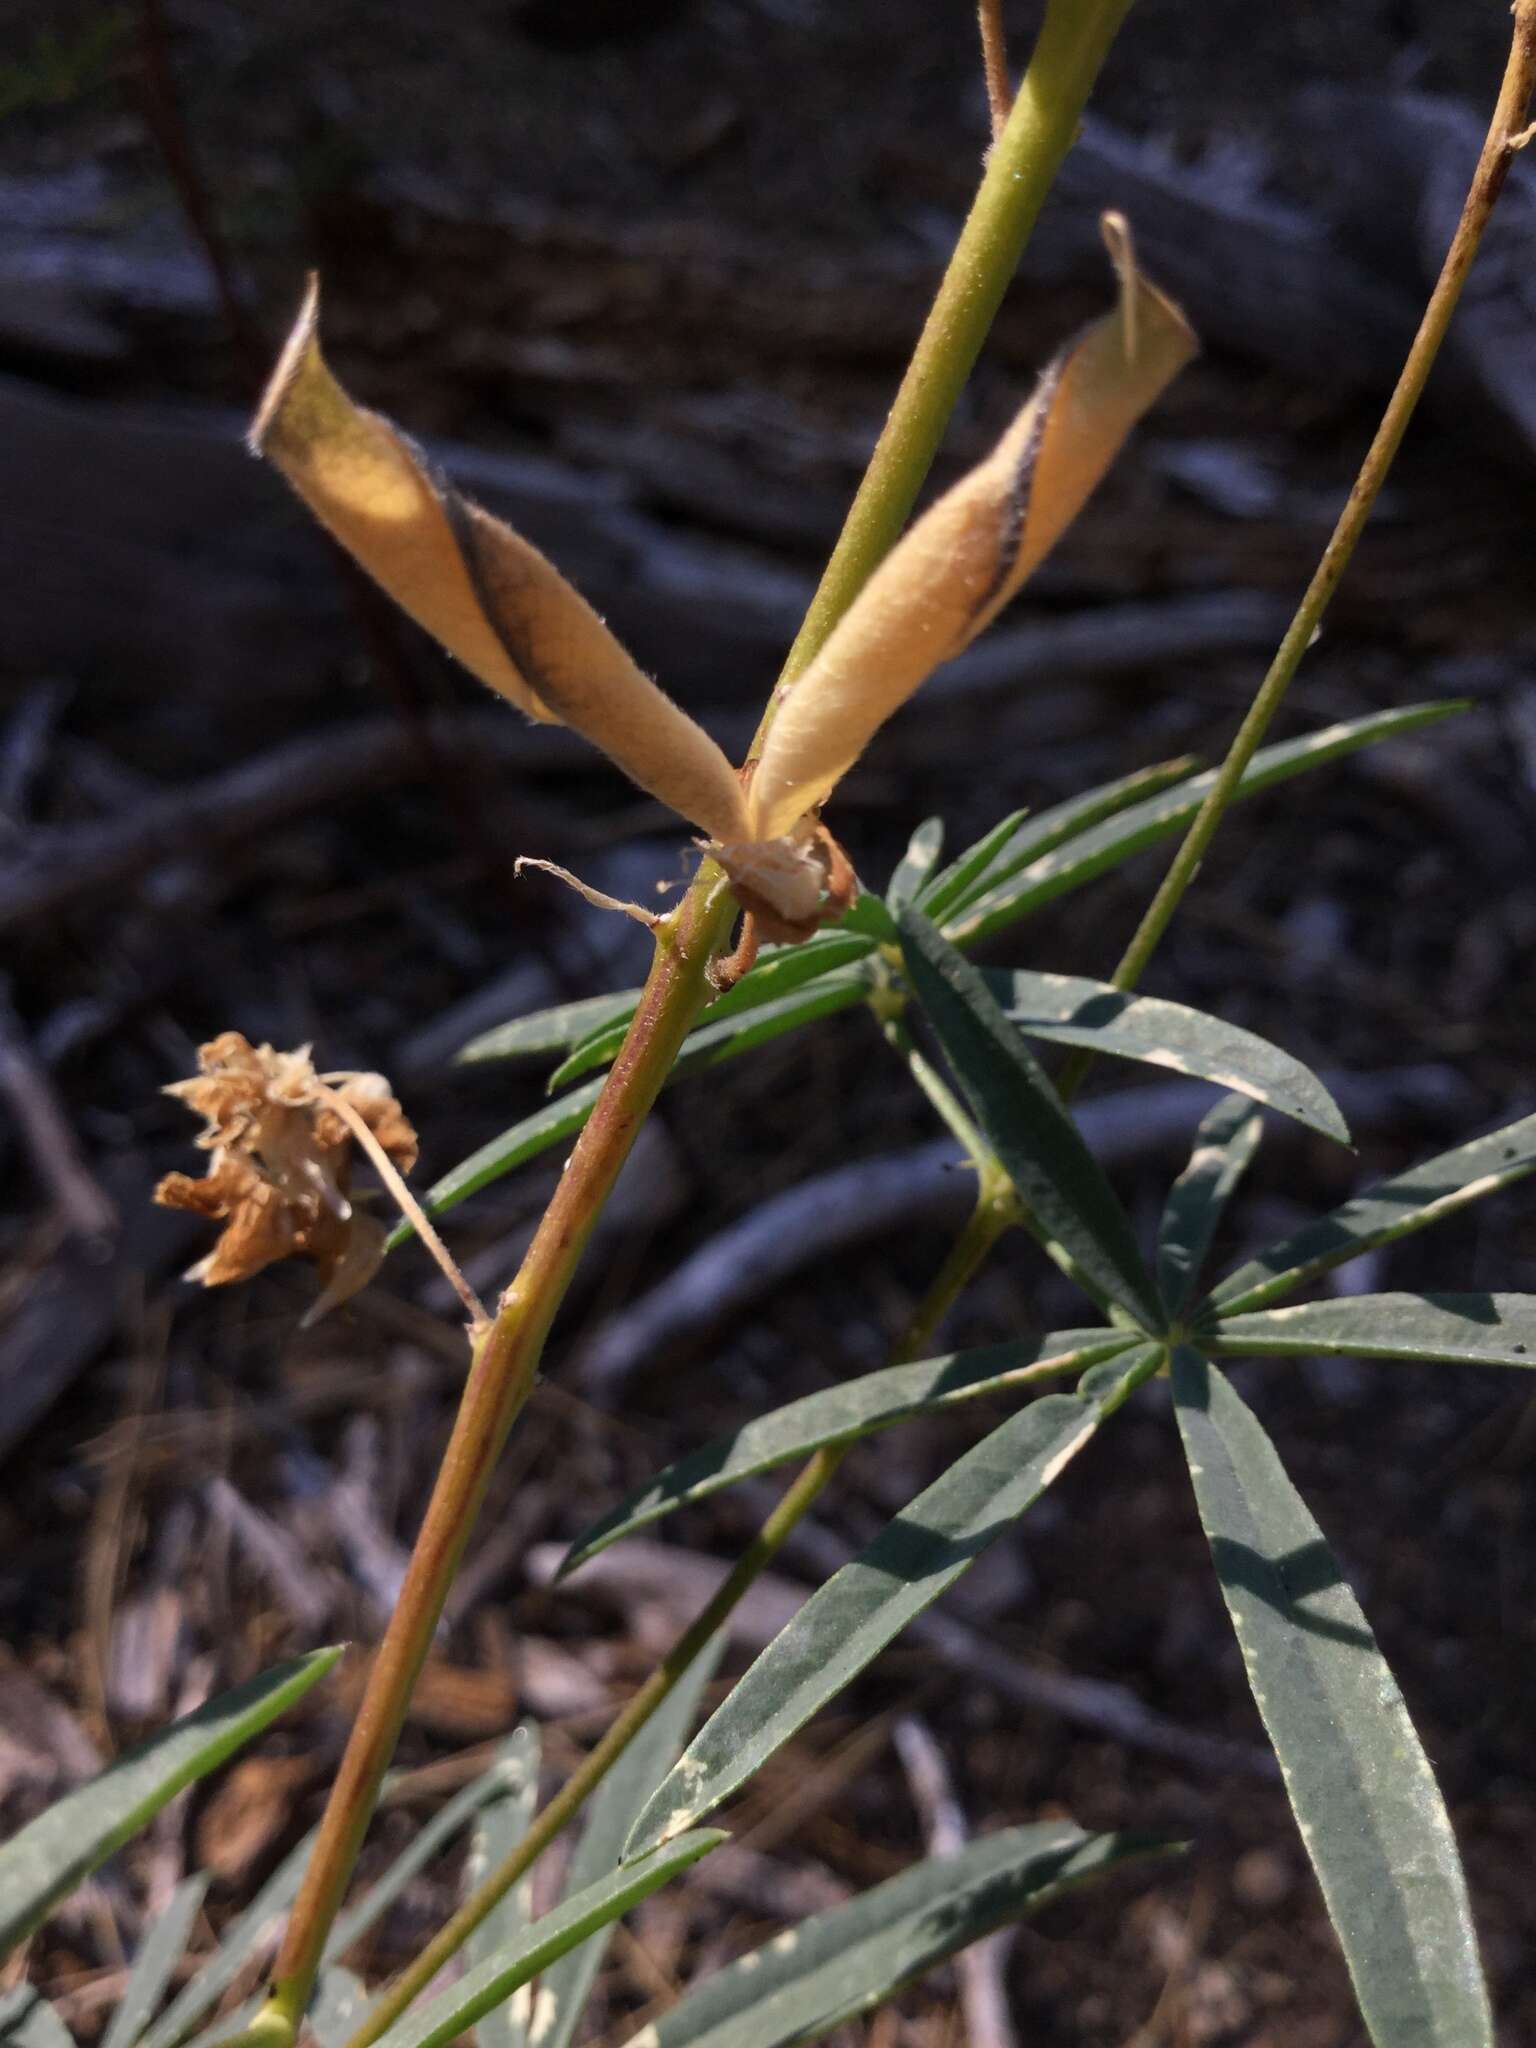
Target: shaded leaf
550, 1030
915, 865
444, 2018
1040, 1147
502, 1824
840, 1414
337, 2008
1365, 1798
52, 1854
1452, 1329
1092, 853
160, 1951
562, 1991
512, 1148
950, 886
1407, 1202
850, 1619
1227, 1139
846, 1961
1068, 1010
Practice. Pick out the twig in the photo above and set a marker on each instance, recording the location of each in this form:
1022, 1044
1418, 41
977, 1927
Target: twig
45, 1131
980, 1968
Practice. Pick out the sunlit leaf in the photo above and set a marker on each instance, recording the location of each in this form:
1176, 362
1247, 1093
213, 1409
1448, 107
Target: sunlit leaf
52, 1854
1089, 854
1450, 1329
562, 1991
842, 1413
950, 885
27, 2020
162, 1948
781, 971
1365, 1798
551, 1030
502, 1824
915, 865
1226, 1141
1407, 1202
1068, 1010
848, 1621
844, 1962
1023, 1120
444, 2018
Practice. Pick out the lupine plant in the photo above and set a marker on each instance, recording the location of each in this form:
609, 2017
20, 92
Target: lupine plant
775, 932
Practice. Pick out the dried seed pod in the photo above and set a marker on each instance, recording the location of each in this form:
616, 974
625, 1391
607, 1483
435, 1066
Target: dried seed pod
956, 568
486, 593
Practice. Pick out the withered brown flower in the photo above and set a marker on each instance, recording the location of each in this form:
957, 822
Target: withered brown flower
280, 1166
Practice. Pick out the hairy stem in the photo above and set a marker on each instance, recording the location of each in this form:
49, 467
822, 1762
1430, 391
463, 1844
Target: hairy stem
1502, 140
1040, 128
1073, 42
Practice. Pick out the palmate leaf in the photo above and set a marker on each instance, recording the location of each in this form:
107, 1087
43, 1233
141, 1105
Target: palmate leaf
840, 1414
1225, 1142
1448, 1329
501, 1825
1006, 851
778, 974
1407, 1202
1040, 1147
850, 1619
1068, 1010
1091, 853
1365, 1798
847, 1961
57, 1851
444, 2018
562, 1991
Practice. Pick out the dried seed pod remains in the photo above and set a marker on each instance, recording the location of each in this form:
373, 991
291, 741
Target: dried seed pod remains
508, 614
953, 572
279, 1174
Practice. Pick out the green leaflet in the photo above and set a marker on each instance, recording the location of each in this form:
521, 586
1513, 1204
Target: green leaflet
1106, 845
915, 865
850, 1619
1068, 1010
1452, 1329
562, 1991
850, 1959
550, 1030
77, 1834
1227, 1139
1052, 828
502, 1824
1407, 1202
1040, 1147
27, 2020
444, 2018
839, 1414
337, 2008
778, 974
1365, 1798
159, 1953
951, 885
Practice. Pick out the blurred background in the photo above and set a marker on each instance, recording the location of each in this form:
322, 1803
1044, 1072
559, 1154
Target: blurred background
643, 273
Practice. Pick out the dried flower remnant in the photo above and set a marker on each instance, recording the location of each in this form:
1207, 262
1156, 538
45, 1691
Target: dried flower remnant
498, 605
280, 1166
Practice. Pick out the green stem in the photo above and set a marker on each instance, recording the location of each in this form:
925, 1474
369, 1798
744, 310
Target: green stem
1021, 167
1075, 37
1487, 182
